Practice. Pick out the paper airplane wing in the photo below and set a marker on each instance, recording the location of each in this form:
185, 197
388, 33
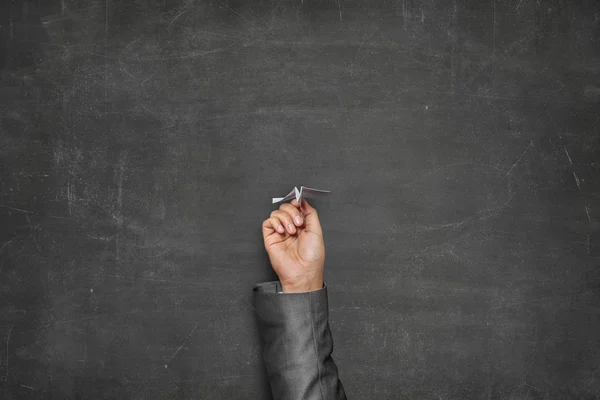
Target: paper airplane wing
289, 196
310, 192
304, 191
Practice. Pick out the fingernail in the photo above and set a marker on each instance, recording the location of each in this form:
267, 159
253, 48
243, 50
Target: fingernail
291, 228
280, 228
298, 220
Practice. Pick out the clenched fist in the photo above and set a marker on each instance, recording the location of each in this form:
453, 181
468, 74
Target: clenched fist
294, 241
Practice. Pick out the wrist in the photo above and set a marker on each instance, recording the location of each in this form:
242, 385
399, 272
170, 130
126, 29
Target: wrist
302, 285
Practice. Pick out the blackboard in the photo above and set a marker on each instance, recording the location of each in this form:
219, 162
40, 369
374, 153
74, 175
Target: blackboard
141, 143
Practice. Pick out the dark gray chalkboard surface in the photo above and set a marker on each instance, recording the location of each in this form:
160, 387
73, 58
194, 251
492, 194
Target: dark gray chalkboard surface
141, 143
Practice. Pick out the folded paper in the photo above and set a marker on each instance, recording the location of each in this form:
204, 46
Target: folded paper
304, 191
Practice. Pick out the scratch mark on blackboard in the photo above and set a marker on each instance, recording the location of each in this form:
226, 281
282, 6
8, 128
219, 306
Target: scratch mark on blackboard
250, 304
454, 36
70, 196
56, 217
178, 15
455, 256
568, 156
494, 43
488, 212
340, 10
7, 339
6, 244
404, 17
129, 45
84, 361
587, 211
188, 55
28, 387
33, 233
16, 209
120, 184
519, 5
345, 113
520, 158
106, 63
451, 225
128, 73
241, 16
119, 203
589, 248
159, 280
215, 378
5, 299
587, 387
479, 215
533, 387
186, 339
102, 238
162, 254
71, 320
576, 180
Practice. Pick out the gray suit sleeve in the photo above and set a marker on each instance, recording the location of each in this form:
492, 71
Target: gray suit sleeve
294, 328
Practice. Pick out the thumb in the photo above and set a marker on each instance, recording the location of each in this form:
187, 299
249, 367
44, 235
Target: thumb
311, 218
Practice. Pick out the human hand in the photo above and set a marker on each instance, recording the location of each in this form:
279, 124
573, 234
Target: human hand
294, 241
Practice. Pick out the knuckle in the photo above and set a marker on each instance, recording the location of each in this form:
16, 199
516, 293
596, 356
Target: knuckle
284, 210
290, 209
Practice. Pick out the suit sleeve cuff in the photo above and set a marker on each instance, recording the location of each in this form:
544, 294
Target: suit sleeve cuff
275, 287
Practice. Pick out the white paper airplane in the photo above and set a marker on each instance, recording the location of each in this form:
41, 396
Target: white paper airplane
304, 191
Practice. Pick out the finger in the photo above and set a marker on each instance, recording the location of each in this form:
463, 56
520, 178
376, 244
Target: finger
273, 223
311, 218
294, 212
277, 225
306, 207
286, 220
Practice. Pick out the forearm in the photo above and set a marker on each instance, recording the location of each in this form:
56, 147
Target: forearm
297, 343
